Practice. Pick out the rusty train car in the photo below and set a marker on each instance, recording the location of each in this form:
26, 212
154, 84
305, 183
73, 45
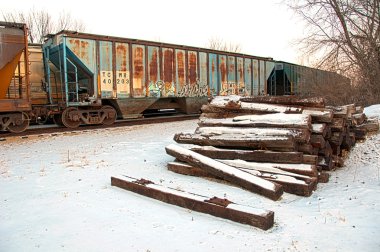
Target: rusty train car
79, 78
15, 102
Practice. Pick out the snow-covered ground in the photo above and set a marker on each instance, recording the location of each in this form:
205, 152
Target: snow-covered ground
55, 195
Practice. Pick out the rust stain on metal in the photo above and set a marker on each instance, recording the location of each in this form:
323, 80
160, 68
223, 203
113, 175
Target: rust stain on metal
153, 66
192, 67
168, 66
223, 69
181, 68
122, 51
138, 70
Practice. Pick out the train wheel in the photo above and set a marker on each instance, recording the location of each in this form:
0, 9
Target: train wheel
69, 119
110, 115
20, 123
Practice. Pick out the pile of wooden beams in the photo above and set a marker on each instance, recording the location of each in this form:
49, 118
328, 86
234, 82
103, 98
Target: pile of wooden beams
270, 144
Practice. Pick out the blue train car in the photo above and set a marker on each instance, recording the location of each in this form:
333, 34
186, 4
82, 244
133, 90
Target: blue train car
94, 79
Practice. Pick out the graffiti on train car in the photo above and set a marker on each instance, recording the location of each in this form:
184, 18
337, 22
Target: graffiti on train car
193, 90
231, 88
161, 89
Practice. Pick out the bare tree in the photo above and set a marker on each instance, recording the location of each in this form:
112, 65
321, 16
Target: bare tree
41, 23
344, 35
221, 45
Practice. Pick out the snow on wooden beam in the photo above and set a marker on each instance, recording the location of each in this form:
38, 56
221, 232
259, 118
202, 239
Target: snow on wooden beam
301, 171
319, 115
228, 173
250, 141
279, 120
300, 135
218, 207
218, 104
317, 102
290, 184
250, 155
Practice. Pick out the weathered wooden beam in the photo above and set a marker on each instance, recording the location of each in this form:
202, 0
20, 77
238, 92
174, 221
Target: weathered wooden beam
358, 119
231, 174
337, 138
326, 163
285, 143
307, 149
300, 135
369, 126
327, 151
310, 159
300, 171
317, 102
218, 207
250, 155
317, 141
320, 128
323, 177
234, 103
278, 120
338, 124
319, 115
186, 169
290, 184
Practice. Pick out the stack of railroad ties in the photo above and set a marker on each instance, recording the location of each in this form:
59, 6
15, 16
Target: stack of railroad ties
263, 144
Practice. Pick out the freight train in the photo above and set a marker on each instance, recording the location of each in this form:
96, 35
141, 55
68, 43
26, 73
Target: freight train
78, 78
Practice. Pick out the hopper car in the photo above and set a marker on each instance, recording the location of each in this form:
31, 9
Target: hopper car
79, 78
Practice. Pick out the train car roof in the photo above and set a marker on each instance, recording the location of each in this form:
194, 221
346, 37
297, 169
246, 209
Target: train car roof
76, 34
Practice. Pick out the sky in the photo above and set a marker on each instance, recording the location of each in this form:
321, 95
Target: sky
261, 28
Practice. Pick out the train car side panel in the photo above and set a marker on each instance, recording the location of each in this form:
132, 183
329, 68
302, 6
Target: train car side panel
154, 81
138, 70
105, 69
213, 74
122, 70
247, 76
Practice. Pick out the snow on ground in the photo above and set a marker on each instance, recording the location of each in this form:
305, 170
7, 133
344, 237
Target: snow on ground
373, 111
55, 195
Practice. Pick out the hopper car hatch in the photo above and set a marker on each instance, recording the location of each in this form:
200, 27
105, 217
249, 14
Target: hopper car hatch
72, 87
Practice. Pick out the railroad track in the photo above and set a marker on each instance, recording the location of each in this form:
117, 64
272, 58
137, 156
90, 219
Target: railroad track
53, 128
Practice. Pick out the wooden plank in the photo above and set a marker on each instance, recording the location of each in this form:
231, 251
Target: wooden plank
317, 102
310, 159
323, 177
218, 207
319, 115
234, 103
319, 128
307, 149
250, 155
338, 124
228, 173
327, 151
337, 138
326, 163
290, 184
185, 169
300, 171
317, 141
369, 126
279, 120
285, 143
300, 135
